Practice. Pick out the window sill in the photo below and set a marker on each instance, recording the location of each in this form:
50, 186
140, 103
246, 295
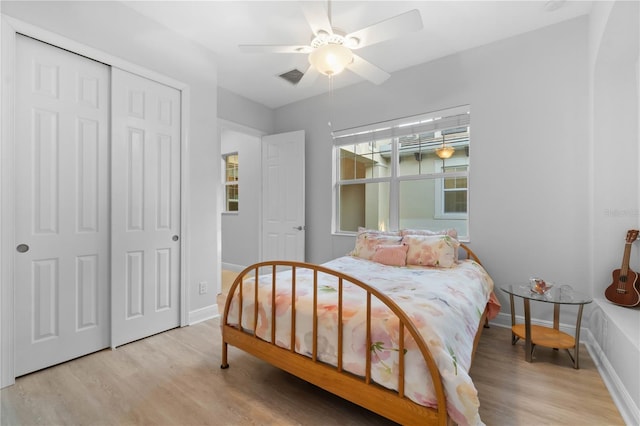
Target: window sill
452, 216
344, 234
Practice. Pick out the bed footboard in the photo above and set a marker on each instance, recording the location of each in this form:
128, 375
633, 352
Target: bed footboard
361, 390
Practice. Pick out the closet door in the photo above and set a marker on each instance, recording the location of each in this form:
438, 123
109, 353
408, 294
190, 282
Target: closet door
146, 207
61, 217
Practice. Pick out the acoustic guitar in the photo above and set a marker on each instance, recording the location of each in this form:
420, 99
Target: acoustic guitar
624, 290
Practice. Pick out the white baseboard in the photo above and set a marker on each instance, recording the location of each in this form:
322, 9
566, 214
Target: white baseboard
629, 411
502, 320
203, 314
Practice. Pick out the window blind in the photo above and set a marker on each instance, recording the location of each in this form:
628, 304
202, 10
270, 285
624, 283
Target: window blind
423, 123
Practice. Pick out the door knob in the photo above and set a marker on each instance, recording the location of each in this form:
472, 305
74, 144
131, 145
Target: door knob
175, 238
299, 228
22, 248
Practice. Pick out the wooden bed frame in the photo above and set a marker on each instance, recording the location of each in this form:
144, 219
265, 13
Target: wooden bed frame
391, 404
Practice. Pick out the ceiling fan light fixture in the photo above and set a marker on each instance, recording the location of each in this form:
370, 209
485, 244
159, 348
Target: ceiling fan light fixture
331, 59
323, 37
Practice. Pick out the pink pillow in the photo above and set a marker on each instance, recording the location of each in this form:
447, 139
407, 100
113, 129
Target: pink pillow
431, 250
366, 243
452, 232
392, 255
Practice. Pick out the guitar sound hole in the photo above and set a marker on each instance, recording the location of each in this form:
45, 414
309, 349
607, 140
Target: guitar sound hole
623, 279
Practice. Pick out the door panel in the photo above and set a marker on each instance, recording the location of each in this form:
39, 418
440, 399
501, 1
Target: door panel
61, 155
146, 207
283, 231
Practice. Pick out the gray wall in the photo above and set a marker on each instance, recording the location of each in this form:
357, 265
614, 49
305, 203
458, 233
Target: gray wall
245, 112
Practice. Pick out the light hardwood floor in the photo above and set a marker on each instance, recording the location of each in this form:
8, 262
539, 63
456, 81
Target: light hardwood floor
174, 378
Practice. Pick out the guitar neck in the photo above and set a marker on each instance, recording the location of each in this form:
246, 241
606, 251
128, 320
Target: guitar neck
625, 259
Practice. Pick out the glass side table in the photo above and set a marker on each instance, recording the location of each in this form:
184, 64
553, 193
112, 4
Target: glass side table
541, 335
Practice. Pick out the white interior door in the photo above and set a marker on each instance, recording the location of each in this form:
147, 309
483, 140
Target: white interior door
146, 207
61, 209
283, 223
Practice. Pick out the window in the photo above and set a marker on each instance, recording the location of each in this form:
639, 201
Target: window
231, 182
454, 192
390, 175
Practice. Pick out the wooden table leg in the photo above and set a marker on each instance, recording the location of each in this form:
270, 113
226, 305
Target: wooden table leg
556, 318
527, 331
576, 349
514, 338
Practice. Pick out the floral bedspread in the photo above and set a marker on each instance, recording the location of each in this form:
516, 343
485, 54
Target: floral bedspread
445, 304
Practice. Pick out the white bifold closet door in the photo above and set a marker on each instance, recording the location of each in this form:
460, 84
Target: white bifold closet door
97, 214
62, 206
145, 251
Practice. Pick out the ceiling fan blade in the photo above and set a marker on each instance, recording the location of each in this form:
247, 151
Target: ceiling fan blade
367, 70
274, 48
317, 16
389, 28
310, 76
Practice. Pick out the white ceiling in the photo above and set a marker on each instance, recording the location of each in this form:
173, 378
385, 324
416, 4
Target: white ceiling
449, 27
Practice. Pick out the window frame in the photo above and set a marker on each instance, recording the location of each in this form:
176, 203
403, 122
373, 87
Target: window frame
395, 179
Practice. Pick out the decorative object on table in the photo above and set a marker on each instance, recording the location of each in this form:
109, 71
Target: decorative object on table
540, 286
625, 289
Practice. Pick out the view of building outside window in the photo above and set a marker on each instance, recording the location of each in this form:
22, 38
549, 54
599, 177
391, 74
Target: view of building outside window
406, 180
231, 182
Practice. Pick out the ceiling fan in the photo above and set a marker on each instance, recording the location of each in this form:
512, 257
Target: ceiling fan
331, 50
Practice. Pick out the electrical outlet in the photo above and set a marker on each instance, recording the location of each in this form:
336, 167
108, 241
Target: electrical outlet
202, 287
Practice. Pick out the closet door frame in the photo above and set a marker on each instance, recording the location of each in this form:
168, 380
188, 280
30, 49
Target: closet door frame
9, 27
